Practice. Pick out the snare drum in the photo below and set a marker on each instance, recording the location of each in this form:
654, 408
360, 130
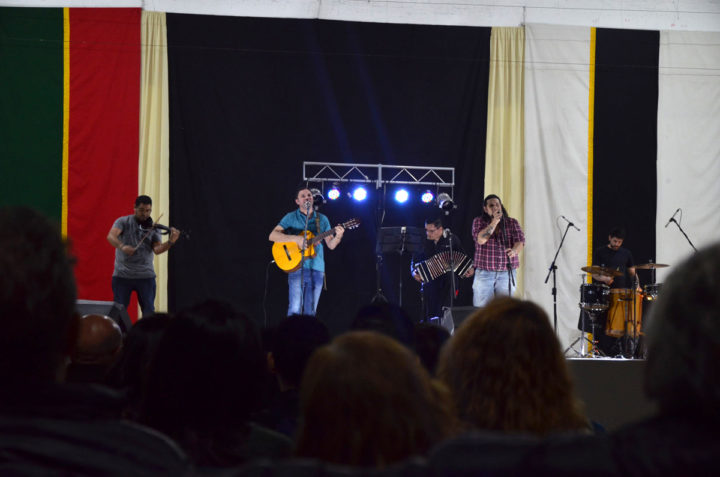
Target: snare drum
621, 314
594, 296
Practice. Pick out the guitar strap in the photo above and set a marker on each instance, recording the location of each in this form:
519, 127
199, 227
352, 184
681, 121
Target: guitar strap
317, 228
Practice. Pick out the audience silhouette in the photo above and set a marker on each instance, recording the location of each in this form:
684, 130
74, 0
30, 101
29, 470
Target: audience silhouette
206, 378
98, 345
506, 372
47, 427
366, 401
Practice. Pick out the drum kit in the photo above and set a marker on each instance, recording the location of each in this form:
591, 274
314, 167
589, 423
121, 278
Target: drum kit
624, 308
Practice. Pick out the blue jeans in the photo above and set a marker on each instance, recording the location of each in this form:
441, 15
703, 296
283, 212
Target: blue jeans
144, 288
313, 287
488, 284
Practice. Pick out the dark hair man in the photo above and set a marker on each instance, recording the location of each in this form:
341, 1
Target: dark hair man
436, 293
616, 257
135, 241
498, 241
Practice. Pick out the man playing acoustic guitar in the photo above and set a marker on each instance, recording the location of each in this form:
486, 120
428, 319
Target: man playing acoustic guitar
310, 276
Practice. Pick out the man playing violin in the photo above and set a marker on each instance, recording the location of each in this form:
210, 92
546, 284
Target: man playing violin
305, 284
135, 241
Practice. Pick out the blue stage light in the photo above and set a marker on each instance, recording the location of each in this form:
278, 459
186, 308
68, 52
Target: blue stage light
334, 193
401, 196
427, 197
359, 194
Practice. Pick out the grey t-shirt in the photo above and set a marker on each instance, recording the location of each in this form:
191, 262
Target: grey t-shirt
139, 264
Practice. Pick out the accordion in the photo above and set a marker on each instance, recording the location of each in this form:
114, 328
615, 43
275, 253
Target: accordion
439, 264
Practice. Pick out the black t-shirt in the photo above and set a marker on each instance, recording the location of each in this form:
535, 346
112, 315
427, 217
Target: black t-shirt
620, 259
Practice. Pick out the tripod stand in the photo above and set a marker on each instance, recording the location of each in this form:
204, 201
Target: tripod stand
583, 340
395, 240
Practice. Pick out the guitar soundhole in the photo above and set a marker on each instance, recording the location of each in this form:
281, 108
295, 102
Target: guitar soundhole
287, 252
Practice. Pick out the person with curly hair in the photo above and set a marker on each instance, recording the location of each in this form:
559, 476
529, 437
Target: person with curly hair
506, 372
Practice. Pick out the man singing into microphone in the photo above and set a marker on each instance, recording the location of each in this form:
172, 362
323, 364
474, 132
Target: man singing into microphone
498, 241
436, 294
311, 276
135, 241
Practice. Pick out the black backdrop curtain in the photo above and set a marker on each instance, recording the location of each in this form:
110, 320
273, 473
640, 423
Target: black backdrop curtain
252, 98
625, 142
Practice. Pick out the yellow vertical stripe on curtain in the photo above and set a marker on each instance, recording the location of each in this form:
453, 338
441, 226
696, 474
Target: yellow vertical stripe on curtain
591, 136
504, 163
154, 160
66, 123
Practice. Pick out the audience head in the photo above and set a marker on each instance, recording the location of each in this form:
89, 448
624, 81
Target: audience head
429, 339
388, 319
207, 371
365, 400
99, 340
97, 347
294, 341
37, 297
684, 338
506, 371
129, 371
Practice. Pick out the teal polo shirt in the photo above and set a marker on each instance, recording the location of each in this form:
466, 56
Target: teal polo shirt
294, 223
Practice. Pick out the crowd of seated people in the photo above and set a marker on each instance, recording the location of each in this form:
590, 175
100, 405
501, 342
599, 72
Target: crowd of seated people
198, 392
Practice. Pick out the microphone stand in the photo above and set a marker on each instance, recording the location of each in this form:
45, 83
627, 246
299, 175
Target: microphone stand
683, 232
308, 206
452, 268
511, 278
552, 269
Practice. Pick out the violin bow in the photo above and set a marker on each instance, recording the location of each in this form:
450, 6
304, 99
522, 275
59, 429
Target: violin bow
147, 233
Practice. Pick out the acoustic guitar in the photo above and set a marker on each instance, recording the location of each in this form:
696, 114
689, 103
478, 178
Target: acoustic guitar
288, 256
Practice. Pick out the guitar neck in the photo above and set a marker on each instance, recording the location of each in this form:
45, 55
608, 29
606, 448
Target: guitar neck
321, 236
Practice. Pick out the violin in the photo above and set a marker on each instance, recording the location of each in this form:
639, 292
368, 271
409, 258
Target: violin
162, 229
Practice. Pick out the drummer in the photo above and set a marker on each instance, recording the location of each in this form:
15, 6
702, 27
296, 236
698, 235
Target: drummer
615, 256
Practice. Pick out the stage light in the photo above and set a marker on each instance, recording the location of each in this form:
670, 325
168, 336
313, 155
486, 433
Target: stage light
401, 196
333, 193
318, 198
359, 194
446, 203
427, 197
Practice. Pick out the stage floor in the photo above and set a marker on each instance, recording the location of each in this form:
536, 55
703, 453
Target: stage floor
612, 389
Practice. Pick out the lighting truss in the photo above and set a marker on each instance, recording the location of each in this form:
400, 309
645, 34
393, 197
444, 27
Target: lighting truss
379, 174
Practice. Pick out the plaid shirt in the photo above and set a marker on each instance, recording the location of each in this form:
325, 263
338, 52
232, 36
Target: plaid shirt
491, 255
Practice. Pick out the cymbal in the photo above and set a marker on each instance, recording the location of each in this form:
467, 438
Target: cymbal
597, 270
651, 266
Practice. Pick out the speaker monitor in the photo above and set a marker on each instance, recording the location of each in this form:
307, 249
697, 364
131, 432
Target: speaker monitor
116, 311
454, 317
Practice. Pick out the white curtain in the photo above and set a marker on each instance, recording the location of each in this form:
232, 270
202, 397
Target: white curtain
557, 86
688, 146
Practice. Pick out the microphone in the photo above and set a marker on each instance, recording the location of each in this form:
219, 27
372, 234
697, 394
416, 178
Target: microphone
308, 204
446, 233
672, 218
570, 223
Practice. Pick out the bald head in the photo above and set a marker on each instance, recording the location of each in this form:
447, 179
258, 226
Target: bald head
99, 340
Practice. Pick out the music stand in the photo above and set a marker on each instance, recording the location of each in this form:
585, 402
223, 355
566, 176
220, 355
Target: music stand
396, 240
